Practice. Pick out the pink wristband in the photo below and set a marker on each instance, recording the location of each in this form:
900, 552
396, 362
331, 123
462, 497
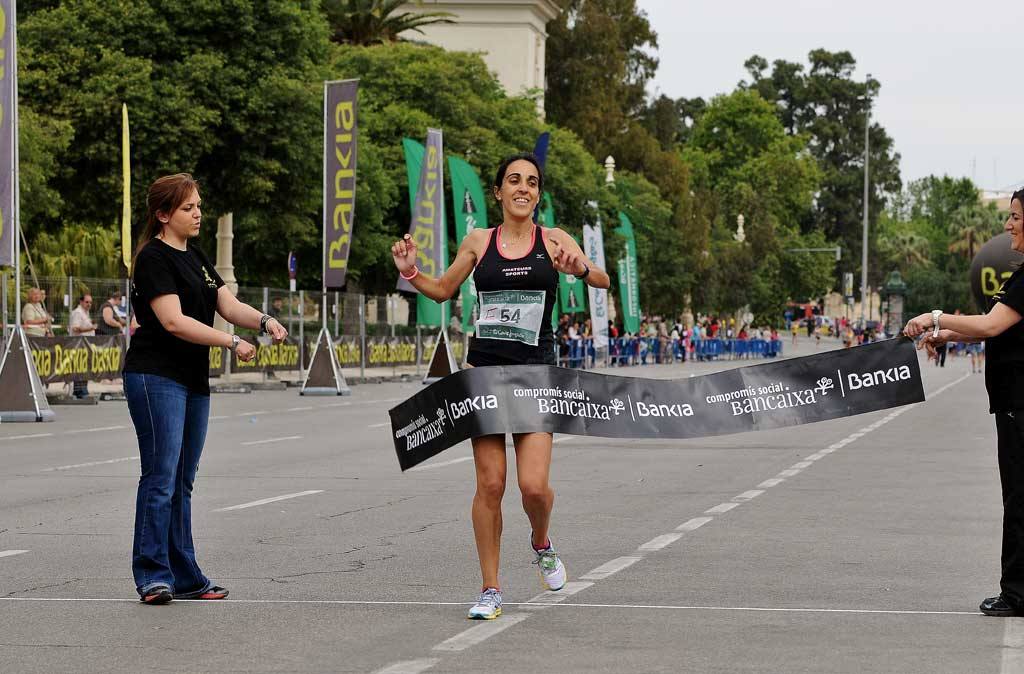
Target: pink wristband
415, 273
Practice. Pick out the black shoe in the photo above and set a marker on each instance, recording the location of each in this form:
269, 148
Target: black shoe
999, 607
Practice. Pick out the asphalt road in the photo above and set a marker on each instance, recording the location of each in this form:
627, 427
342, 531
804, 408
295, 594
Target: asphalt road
858, 545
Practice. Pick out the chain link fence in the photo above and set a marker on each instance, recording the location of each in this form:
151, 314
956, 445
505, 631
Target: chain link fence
367, 331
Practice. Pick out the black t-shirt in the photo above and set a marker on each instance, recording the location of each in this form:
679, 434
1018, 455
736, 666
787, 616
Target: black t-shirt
161, 269
1004, 354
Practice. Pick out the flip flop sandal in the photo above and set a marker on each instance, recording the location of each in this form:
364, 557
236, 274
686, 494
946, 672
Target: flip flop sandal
211, 593
161, 594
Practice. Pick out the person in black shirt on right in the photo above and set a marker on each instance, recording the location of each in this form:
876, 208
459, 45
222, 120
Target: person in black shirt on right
1003, 333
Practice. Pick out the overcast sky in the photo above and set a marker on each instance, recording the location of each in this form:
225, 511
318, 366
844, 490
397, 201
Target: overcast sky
951, 72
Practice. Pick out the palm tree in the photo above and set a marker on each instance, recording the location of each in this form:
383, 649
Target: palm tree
906, 250
971, 227
366, 22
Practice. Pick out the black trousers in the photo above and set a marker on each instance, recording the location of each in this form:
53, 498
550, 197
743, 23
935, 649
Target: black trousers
1010, 433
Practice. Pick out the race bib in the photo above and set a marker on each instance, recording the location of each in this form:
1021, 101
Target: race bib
513, 315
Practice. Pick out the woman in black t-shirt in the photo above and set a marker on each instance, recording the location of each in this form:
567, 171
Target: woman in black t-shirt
519, 256
1002, 332
175, 292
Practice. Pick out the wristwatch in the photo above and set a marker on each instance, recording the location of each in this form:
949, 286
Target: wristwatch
235, 339
586, 270
935, 321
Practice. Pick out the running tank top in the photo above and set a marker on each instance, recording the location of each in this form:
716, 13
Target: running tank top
532, 272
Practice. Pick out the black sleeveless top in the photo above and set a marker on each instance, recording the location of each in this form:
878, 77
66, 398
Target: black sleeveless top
533, 271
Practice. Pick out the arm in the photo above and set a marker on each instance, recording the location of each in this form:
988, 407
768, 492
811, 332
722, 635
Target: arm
108, 316
439, 289
970, 328
238, 313
568, 258
168, 311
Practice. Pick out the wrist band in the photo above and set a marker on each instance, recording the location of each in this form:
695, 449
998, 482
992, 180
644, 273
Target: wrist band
414, 274
586, 272
263, 323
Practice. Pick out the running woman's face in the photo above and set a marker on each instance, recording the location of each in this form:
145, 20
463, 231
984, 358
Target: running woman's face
520, 190
1015, 226
184, 221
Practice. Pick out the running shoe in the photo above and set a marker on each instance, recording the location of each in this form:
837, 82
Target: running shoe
552, 571
488, 605
156, 595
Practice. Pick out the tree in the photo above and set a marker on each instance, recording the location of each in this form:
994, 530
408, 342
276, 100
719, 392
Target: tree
971, 226
367, 22
227, 91
826, 104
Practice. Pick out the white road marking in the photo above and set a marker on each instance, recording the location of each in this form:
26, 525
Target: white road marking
11, 553
90, 463
569, 589
481, 632
272, 499
1013, 647
440, 465
659, 542
222, 605
564, 438
255, 413
219, 416
268, 440
694, 524
410, 666
386, 423
95, 430
610, 568
299, 409
26, 437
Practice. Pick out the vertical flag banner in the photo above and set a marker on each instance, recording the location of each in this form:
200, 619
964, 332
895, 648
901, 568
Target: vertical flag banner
7, 131
540, 151
629, 277
428, 228
593, 246
126, 191
571, 293
545, 216
470, 213
340, 131
414, 152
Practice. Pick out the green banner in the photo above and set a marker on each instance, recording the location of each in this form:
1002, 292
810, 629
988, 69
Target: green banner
426, 206
572, 293
470, 213
629, 277
546, 212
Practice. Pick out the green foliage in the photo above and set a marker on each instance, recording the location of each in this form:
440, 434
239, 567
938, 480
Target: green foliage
827, 105
368, 22
79, 250
229, 91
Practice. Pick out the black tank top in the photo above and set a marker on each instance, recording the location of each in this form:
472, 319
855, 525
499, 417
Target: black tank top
533, 271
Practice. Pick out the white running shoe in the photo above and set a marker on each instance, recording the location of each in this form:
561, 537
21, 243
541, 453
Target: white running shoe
552, 571
488, 605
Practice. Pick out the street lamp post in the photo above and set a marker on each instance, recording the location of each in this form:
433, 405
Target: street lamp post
864, 241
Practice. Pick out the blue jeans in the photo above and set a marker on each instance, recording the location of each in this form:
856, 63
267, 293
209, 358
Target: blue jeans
170, 423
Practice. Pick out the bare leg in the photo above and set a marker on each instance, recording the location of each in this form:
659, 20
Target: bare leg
533, 466
489, 457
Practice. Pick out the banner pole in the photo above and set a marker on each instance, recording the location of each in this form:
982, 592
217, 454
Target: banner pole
17, 184
3, 302
362, 336
323, 228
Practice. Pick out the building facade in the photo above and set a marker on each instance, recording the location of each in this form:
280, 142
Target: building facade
511, 36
